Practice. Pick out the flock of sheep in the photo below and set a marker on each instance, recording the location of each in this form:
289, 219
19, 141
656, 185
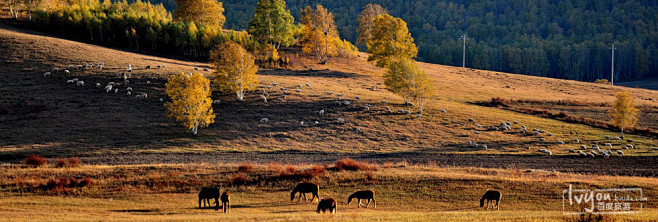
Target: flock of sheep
110, 87
116, 87
523, 131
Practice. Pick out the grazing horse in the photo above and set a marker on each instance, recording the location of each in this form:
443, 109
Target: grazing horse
304, 188
208, 193
363, 194
225, 202
490, 196
327, 204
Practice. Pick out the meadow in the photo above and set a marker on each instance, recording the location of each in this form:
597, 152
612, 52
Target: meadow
139, 165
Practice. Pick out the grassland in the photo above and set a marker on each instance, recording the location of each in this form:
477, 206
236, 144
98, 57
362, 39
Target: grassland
72, 120
145, 167
403, 192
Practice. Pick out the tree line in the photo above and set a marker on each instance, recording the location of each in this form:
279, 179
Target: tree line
567, 39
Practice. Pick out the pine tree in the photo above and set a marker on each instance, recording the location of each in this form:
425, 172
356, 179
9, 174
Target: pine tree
190, 100
236, 71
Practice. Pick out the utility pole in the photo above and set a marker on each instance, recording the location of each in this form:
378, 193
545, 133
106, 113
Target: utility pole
464, 51
612, 66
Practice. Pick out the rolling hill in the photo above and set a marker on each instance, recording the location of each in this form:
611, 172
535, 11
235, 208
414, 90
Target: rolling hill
48, 116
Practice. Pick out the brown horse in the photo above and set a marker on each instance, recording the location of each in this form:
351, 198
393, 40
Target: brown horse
304, 188
363, 194
225, 202
490, 196
208, 193
327, 204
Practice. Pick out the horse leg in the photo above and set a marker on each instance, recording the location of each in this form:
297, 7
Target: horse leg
368, 204
305, 199
358, 203
300, 197
374, 203
498, 204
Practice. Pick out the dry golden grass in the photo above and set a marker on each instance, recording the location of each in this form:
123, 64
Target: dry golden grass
412, 193
86, 121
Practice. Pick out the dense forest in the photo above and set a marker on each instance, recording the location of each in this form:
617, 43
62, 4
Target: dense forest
562, 39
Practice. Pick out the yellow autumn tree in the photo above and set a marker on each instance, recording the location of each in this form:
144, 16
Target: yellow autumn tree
406, 79
319, 33
623, 113
235, 69
207, 12
390, 40
190, 100
365, 19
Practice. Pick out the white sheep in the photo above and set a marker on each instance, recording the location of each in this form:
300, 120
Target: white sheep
98, 85
516, 122
384, 102
274, 84
129, 89
89, 65
470, 120
71, 67
161, 100
269, 87
216, 101
205, 69
116, 90
110, 83
477, 132
80, 83
406, 111
419, 115
299, 85
560, 142
583, 147
308, 85
608, 144
279, 99
301, 123
263, 98
298, 90
367, 108
340, 120
617, 138
55, 70
321, 113
69, 81
78, 67
316, 123
571, 151
485, 147
607, 137
388, 109
357, 98
328, 93
158, 66
47, 74
99, 66
196, 68
620, 152
478, 125
128, 93
66, 71
129, 68
347, 103
443, 111
630, 146
264, 120
148, 82
576, 140
164, 66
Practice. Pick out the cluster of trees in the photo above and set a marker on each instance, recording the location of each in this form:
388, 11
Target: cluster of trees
566, 39
390, 45
194, 30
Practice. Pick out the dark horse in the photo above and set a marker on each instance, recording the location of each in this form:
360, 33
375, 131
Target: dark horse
490, 196
304, 188
208, 193
225, 202
365, 195
327, 204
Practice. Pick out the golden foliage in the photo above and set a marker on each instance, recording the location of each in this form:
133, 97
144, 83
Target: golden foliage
390, 40
190, 100
623, 113
319, 33
236, 70
406, 79
366, 18
207, 12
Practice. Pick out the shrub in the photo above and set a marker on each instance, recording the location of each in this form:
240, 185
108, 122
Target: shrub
61, 162
274, 167
246, 168
238, 179
74, 162
35, 161
353, 165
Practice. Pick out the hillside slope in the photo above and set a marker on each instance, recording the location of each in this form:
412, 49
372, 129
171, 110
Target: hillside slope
49, 116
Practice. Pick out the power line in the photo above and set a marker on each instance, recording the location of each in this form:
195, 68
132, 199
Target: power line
464, 50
